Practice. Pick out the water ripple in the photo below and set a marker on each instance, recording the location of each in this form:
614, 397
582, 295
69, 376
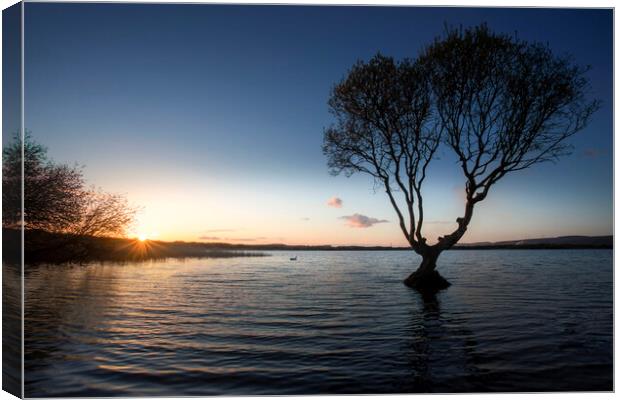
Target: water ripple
331, 322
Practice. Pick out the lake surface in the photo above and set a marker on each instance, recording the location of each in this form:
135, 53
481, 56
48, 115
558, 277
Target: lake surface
331, 322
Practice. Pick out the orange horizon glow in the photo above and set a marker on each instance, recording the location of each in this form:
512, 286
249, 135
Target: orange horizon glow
218, 211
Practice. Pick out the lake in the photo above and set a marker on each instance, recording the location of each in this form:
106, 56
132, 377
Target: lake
330, 322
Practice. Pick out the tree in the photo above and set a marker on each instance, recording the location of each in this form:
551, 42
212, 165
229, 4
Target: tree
103, 214
51, 191
498, 103
55, 197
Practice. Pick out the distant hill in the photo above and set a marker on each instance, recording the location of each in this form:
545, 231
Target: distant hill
606, 242
561, 242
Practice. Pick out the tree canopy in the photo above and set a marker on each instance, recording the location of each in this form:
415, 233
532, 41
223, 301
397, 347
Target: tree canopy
56, 198
385, 127
499, 104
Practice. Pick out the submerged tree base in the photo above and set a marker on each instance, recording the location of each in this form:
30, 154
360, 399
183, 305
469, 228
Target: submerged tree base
427, 282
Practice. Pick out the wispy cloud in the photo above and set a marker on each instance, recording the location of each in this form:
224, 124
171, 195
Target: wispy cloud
361, 221
592, 152
230, 239
335, 202
247, 239
439, 222
305, 219
459, 192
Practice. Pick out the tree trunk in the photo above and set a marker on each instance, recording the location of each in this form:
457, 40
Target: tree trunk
426, 279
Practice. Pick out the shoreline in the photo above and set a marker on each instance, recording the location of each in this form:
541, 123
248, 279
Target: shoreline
46, 247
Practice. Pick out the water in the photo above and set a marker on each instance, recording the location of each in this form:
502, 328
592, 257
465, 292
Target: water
331, 322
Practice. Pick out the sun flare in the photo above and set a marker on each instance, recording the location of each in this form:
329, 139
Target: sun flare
142, 237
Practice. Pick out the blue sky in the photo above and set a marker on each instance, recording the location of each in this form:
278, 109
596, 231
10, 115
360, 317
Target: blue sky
210, 117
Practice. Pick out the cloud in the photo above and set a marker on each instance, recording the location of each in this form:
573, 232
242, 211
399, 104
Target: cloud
246, 239
361, 221
209, 238
438, 222
229, 239
592, 153
305, 219
459, 193
335, 202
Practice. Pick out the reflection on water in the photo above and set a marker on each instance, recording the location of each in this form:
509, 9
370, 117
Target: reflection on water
331, 322
11, 328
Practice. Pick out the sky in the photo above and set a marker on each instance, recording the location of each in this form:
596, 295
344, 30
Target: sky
210, 118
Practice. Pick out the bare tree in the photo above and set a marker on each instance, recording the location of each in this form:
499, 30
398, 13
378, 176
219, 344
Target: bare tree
102, 214
500, 104
51, 191
55, 199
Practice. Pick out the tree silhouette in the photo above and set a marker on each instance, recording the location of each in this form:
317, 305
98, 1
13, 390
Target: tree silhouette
51, 191
498, 103
55, 197
103, 214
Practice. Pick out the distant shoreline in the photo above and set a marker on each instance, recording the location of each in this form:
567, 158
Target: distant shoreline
45, 247
559, 243
381, 248
54, 248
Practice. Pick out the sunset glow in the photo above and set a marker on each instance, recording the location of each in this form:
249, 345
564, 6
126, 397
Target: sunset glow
200, 173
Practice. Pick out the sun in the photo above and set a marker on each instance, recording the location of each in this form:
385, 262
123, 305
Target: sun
143, 235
